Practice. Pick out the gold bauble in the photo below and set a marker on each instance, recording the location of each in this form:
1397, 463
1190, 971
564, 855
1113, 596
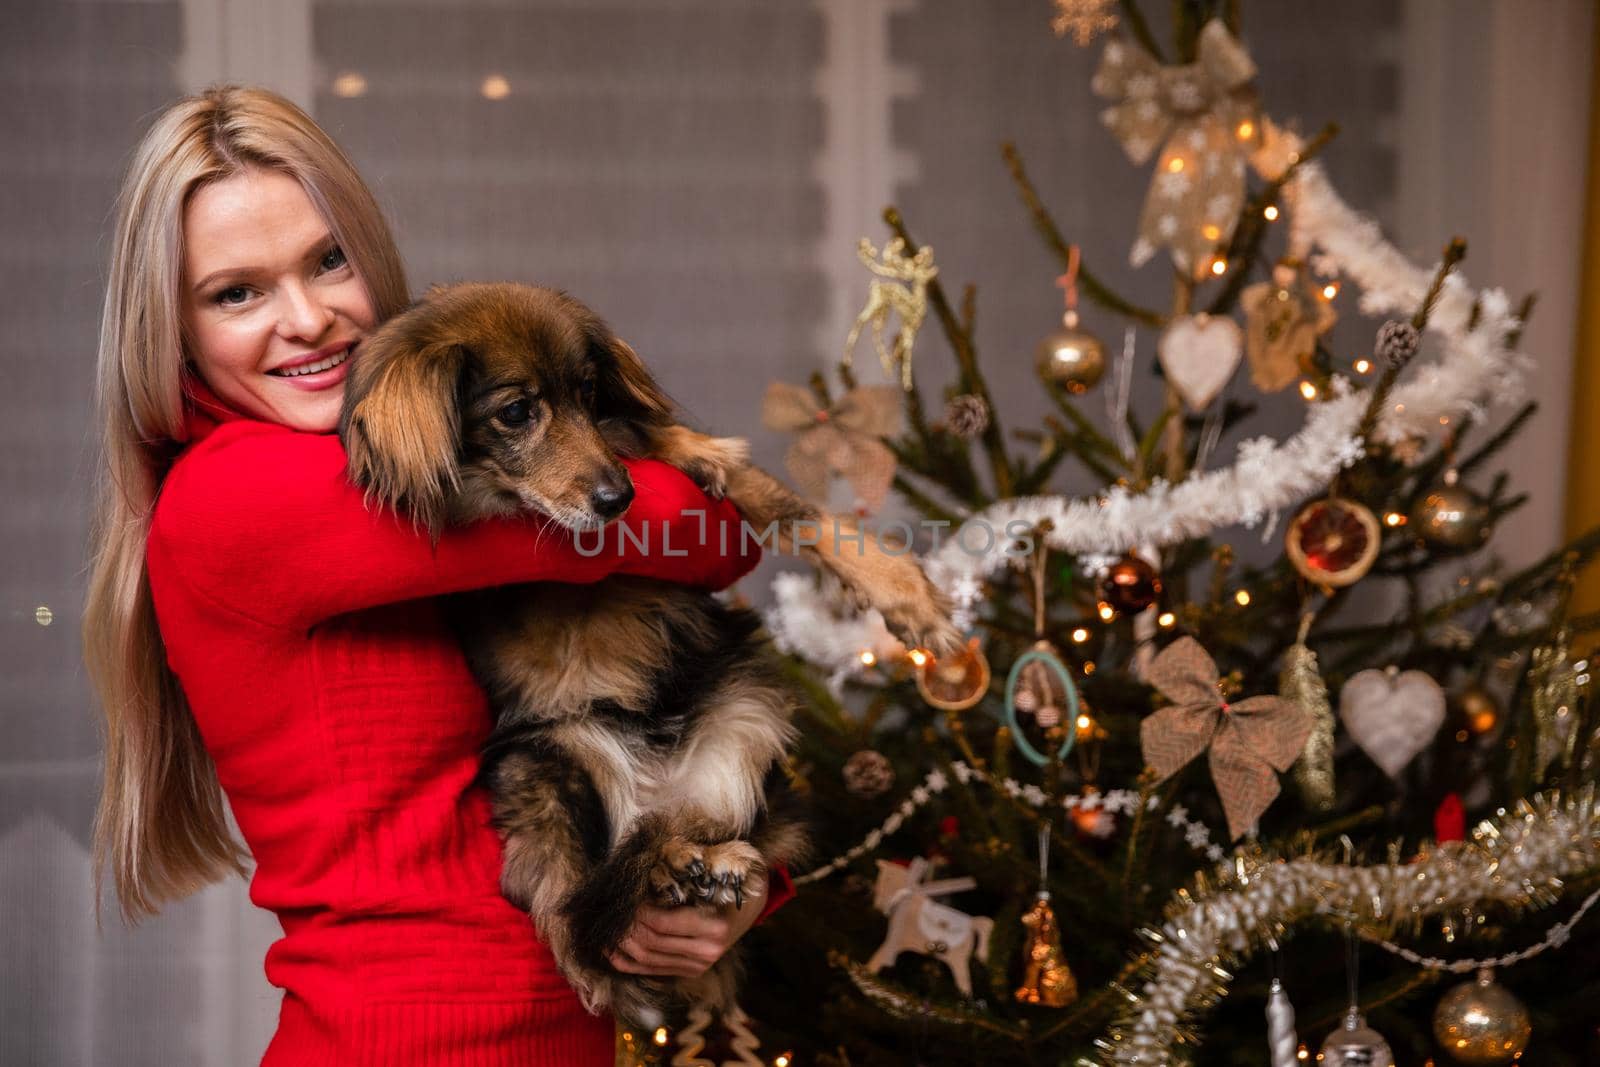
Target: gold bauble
1480, 1024
1071, 358
1451, 516
1479, 710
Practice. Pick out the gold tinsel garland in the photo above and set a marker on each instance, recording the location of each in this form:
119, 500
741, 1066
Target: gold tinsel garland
1518, 860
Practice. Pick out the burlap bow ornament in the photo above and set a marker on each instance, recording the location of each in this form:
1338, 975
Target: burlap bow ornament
1250, 741
1205, 115
842, 440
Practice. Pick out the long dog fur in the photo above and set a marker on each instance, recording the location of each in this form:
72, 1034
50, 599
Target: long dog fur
641, 726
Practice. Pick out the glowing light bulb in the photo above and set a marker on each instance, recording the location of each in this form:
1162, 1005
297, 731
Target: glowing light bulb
1247, 130
1080, 635
1308, 390
1166, 618
868, 657
1394, 518
1363, 366
1330, 290
1175, 164
349, 85
1211, 231
1271, 213
1084, 722
1219, 266
495, 87
661, 1035
1242, 598
917, 656
1107, 612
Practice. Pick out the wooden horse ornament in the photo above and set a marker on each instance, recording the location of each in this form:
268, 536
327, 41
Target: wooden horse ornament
918, 923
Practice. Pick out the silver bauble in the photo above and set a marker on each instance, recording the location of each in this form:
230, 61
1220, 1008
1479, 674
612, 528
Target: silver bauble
1354, 1045
1071, 358
1451, 516
1480, 1024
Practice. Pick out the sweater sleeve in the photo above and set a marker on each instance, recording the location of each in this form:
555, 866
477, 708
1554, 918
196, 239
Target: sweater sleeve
780, 890
263, 521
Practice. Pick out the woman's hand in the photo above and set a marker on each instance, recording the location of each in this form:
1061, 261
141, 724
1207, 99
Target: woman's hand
685, 942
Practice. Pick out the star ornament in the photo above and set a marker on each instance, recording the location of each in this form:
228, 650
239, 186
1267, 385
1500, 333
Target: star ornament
1250, 741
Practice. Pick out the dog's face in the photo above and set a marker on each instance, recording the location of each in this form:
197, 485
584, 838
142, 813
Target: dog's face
497, 399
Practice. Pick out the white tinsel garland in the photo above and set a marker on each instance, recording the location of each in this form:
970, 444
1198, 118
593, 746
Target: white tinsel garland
1519, 860
1476, 364
803, 621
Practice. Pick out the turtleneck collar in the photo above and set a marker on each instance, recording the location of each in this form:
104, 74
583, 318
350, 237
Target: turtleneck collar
203, 410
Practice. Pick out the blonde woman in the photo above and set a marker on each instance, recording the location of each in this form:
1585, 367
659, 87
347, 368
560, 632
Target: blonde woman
254, 631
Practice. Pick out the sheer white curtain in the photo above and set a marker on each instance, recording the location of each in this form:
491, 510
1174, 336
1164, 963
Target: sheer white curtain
698, 170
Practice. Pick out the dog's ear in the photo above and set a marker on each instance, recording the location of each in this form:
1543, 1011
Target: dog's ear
401, 422
624, 389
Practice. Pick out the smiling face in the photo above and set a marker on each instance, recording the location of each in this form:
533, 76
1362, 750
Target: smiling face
267, 293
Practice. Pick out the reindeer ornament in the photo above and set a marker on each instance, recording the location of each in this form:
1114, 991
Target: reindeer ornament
918, 923
903, 291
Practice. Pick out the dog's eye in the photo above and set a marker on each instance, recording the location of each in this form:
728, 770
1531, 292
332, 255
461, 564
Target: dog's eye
516, 413
586, 393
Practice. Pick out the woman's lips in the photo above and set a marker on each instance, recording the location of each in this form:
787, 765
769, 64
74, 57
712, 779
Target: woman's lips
322, 379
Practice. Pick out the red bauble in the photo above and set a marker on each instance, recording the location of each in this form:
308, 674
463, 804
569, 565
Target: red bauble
1449, 820
1130, 585
1332, 542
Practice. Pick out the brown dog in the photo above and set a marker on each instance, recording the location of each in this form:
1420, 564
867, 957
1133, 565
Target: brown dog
640, 725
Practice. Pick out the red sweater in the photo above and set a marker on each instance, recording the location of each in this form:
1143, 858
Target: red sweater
345, 727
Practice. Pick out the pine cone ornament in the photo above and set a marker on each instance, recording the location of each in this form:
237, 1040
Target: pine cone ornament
868, 774
967, 416
1397, 342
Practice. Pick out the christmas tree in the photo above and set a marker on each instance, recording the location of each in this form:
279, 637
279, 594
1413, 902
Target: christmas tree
1170, 805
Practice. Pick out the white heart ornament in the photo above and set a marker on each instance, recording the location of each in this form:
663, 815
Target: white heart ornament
1392, 715
1199, 354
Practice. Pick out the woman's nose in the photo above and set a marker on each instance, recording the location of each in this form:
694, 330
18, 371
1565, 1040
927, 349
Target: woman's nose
302, 315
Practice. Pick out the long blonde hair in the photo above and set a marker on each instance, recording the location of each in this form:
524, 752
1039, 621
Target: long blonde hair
161, 826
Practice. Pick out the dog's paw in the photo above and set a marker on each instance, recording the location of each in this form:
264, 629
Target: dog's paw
680, 875
729, 866
920, 616
714, 462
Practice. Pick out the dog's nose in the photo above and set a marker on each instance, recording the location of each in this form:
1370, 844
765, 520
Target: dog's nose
612, 495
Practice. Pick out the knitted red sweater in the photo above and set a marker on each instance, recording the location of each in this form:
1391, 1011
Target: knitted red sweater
345, 727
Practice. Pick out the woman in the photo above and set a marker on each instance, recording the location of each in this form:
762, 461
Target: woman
252, 629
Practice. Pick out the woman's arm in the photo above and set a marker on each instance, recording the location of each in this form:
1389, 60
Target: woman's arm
263, 520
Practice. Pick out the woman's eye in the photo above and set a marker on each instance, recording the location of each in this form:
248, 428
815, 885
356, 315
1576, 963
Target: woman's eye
234, 294
516, 413
334, 259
